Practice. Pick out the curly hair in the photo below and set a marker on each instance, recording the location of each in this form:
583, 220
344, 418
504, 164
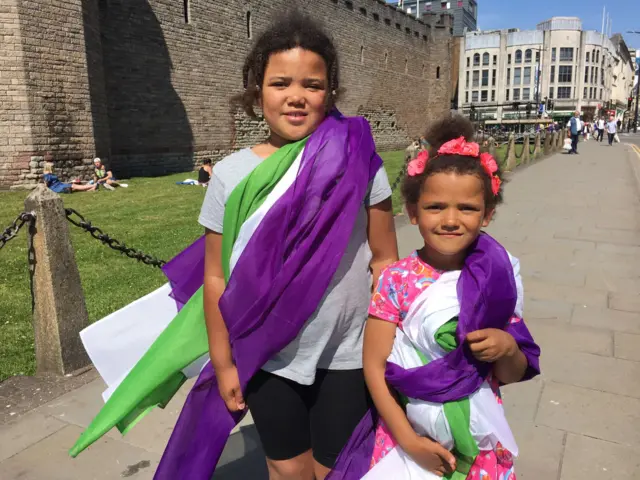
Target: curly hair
450, 128
293, 30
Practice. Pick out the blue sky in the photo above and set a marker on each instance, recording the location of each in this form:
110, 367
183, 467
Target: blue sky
526, 14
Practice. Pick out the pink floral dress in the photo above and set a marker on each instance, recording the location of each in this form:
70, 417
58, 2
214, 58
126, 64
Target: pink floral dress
399, 285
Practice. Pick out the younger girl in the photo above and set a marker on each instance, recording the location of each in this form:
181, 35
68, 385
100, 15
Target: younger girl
445, 329
295, 228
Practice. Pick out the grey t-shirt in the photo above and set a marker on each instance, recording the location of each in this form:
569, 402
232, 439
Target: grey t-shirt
332, 337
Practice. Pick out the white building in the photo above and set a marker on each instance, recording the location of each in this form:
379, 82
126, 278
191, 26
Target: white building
558, 61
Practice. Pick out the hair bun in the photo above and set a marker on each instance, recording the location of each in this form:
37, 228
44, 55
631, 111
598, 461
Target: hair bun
449, 128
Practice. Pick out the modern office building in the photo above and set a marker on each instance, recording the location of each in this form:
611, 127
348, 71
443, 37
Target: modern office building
559, 61
464, 12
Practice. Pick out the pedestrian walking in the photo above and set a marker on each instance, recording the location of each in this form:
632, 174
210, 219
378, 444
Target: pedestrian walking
611, 130
575, 127
600, 128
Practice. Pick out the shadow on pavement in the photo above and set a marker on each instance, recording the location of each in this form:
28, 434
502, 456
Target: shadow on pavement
242, 457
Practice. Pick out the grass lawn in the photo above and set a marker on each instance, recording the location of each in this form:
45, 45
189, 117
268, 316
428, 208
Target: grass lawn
153, 215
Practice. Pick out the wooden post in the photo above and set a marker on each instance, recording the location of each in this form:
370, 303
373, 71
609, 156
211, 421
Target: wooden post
554, 142
547, 143
536, 149
525, 150
60, 312
511, 153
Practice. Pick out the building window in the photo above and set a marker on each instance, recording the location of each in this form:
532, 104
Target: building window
507, 96
495, 59
361, 55
438, 72
386, 60
467, 81
584, 95
493, 95
527, 55
518, 56
564, 92
348, 4
592, 73
485, 78
537, 56
376, 17
186, 10
586, 74
485, 59
406, 65
466, 97
552, 78
602, 77
387, 21
587, 57
468, 62
517, 73
553, 54
598, 56
493, 78
249, 25
484, 97
516, 94
476, 60
476, 78
600, 94
363, 11
527, 76
565, 74
526, 93
550, 92
474, 96
509, 59
508, 76
566, 54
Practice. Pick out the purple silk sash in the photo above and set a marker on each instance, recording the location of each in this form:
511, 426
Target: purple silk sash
277, 283
487, 295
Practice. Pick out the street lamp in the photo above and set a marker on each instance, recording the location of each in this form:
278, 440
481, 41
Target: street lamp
636, 68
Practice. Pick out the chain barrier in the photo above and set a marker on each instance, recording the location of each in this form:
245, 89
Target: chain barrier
12, 230
79, 221
400, 176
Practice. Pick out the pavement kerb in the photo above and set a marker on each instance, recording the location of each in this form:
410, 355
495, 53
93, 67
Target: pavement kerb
633, 158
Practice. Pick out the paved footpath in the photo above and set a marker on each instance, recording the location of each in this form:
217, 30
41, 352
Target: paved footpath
574, 222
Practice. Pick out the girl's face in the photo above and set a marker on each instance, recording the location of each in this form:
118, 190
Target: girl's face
293, 94
450, 214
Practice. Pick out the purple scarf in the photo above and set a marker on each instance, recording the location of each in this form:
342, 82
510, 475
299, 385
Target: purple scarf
487, 295
273, 291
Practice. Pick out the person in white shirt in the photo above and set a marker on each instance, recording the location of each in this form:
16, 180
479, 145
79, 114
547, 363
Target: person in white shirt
612, 128
600, 128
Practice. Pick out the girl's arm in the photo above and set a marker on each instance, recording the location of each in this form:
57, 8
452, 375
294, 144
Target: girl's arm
378, 342
381, 233
219, 346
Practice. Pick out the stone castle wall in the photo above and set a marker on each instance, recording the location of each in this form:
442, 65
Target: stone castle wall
147, 85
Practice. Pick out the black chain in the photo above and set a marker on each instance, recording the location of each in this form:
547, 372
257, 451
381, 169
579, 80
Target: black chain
112, 243
401, 175
12, 230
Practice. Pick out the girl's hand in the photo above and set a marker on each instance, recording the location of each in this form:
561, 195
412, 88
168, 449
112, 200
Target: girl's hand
491, 344
431, 456
229, 387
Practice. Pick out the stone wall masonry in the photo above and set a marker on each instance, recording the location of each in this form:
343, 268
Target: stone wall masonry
169, 82
148, 86
49, 104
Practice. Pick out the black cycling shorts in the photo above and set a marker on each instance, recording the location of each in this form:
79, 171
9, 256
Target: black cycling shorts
292, 418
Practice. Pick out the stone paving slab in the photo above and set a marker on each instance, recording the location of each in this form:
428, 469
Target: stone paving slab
591, 413
627, 346
586, 457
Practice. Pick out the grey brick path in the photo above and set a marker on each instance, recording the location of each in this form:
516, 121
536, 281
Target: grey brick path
573, 221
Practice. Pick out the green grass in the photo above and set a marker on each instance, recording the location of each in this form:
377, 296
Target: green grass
153, 215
